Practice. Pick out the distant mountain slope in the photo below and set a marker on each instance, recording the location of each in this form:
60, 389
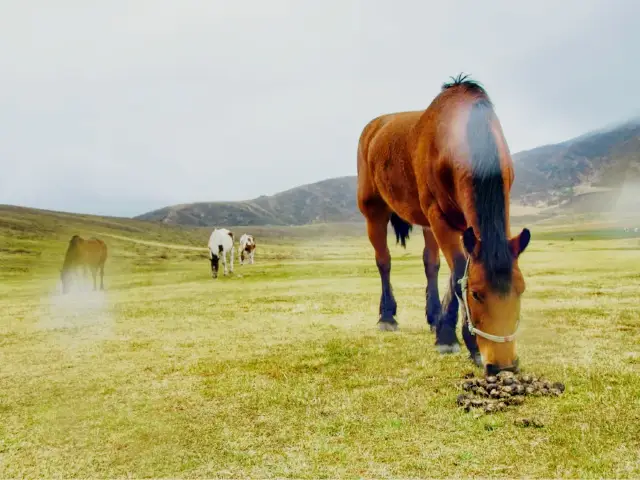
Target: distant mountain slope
584, 174
332, 200
592, 165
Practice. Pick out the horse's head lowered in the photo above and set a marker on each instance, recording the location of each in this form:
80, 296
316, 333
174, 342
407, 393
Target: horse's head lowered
70, 260
491, 290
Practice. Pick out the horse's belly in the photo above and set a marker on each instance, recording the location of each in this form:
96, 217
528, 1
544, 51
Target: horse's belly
399, 191
406, 205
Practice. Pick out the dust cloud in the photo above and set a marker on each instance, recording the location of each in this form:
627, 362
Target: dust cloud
78, 317
625, 210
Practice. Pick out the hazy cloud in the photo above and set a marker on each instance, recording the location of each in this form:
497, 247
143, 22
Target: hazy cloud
120, 107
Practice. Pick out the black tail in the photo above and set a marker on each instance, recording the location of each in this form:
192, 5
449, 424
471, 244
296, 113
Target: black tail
402, 229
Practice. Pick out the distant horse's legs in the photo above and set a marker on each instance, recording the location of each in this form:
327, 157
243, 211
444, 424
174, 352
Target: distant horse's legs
85, 277
377, 231
231, 254
449, 241
241, 255
251, 257
431, 260
94, 272
223, 254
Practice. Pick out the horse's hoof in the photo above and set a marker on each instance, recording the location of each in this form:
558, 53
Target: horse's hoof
388, 326
446, 349
432, 328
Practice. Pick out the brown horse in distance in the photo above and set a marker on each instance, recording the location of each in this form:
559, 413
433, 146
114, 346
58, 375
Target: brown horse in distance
84, 254
448, 169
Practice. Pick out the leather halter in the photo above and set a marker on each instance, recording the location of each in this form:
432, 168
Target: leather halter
464, 284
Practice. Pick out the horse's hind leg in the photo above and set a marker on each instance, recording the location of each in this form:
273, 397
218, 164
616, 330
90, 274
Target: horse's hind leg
223, 254
431, 260
102, 277
231, 254
377, 221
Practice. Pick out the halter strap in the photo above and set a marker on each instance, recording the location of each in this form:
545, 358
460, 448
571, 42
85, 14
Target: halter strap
464, 285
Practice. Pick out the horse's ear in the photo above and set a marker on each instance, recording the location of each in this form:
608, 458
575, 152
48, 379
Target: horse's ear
519, 243
470, 241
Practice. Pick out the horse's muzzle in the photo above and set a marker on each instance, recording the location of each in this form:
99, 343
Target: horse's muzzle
492, 369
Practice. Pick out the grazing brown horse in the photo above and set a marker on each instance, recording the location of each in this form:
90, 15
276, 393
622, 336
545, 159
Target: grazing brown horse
84, 254
449, 170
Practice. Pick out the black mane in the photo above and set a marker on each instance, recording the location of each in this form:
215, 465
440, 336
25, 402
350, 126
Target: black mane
465, 81
489, 197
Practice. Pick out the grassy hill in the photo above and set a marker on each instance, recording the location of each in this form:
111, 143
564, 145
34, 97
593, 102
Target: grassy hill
581, 175
33, 242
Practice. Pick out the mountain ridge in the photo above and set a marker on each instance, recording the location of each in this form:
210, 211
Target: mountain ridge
583, 173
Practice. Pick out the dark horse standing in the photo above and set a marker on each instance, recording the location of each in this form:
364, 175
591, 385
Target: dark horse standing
84, 254
449, 170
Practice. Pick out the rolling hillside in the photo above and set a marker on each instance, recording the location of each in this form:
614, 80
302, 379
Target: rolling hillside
584, 174
332, 200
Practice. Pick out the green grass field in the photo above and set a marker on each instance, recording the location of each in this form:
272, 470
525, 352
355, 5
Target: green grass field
280, 371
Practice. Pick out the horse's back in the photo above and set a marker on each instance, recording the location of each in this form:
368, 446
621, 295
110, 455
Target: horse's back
385, 164
86, 251
221, 237
386, 130
246, 239
97, 249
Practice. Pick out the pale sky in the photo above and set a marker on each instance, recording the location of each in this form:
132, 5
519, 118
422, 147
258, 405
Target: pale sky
123, 106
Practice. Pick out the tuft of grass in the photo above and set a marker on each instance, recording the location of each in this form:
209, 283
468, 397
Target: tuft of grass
279, 370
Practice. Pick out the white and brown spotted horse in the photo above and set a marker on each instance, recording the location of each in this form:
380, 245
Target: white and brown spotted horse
220, 245
248, 247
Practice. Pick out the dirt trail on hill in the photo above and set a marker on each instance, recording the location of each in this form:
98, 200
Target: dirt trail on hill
154, 244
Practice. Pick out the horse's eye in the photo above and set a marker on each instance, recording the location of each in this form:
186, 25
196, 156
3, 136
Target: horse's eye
476, 296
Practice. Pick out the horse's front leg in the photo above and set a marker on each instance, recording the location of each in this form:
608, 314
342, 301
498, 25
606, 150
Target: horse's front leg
231, 255
449, 241
251, 257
